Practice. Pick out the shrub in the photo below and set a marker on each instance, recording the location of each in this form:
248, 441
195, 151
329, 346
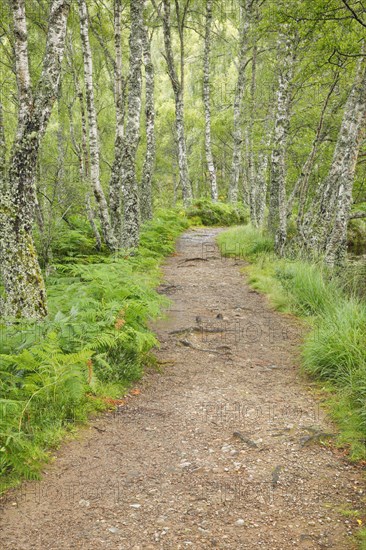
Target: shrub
205, 212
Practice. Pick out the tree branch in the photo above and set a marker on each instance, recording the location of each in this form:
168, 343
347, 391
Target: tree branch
355, 16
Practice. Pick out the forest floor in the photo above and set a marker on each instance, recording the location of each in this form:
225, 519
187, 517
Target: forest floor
219, 447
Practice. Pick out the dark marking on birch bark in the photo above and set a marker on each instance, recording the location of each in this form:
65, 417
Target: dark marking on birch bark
207, 102
131, 227
149, 162
21, 273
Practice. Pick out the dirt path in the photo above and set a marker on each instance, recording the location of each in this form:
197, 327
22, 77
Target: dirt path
216, 452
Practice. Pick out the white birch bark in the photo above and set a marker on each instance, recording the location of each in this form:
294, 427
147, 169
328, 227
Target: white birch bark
82, 153
93, 129
351, 134
115, 185
131, 226
253, 188
22, 63
149, 162
3, 182
238, 100
262, 169
325, 224
178, 89
302, 184
207, 102
21, 274
277, 220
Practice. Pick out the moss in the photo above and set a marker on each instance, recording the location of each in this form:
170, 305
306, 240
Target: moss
357, 236
205, 212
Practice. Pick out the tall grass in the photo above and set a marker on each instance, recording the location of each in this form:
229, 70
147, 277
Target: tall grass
334, 350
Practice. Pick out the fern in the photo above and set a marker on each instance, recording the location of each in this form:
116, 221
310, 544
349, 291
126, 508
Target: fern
94, 341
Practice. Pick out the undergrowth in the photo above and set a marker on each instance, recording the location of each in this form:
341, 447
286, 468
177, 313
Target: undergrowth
93, 344
95, 341
334, 350
205, 212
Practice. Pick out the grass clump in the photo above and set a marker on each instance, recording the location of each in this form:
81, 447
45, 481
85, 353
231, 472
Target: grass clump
92, 346
334, 349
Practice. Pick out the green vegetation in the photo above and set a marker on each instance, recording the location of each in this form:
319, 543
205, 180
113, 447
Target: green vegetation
95, 341
334, 350
362, 538
93, 345
205, 212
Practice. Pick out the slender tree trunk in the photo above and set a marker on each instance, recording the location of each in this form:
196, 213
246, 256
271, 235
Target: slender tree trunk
149, 163
277, 221
82, 153
178, 89
207, 102
115, 186
93, 225
131, 229
325, 224
262, 170
352, 131
238, 100
302, 184
22, 64
3, 182
253, 189
21, 274
93, 129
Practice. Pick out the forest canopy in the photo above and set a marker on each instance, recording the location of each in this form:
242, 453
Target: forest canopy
111, 109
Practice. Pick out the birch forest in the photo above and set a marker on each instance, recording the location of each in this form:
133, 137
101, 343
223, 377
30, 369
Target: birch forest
110, 110
125, 122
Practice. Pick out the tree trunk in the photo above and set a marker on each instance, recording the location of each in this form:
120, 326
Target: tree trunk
21, 274
93, 129
238, 100
325, 224
81, 151
277, 221
21, 64
148, 168
253, 189
93, 225
178, 89
115, 185
131, 228
3, 182
349, 143
302, 184
262, 169
207, 103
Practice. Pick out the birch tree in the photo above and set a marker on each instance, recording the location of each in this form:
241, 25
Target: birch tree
207, 102
149, 162
324, 229
115, 185
93, 129
277, 219
131, 206
3, 183
21, 274
178, 89
81, 150
344, 166
301, 186
262, 169
246, 11
253, 188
